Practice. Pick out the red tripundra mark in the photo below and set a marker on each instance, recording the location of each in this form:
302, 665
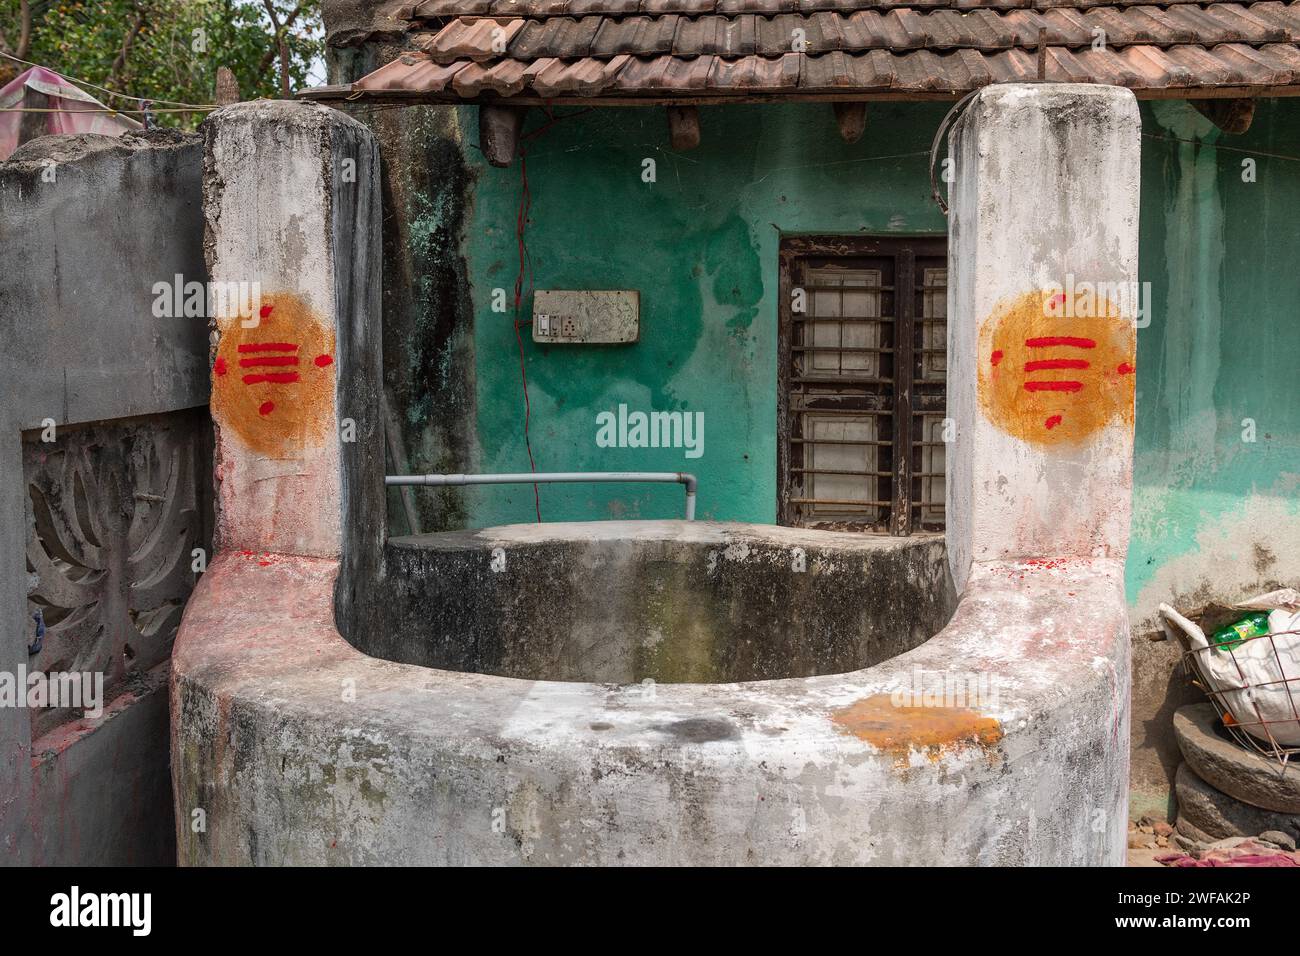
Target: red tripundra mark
269, 360
268, 347
1053, 386
1052, 422
1055, 363
278, 378
1050, 340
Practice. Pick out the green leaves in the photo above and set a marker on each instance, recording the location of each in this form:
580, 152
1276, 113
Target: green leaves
170, 49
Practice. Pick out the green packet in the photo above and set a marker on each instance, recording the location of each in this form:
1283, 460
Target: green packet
1234, 635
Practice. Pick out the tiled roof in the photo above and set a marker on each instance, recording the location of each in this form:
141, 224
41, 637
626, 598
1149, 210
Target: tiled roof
700, 50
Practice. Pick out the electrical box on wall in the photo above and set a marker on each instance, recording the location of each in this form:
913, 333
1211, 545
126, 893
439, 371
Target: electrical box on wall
569, 317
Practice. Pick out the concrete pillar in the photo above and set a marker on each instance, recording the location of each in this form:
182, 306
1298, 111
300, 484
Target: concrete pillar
292, 205
1042, 302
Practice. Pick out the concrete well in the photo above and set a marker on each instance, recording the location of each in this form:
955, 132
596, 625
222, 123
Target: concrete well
663, 692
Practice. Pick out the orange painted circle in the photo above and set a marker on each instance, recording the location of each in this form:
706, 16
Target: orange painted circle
1048, 376
273, 382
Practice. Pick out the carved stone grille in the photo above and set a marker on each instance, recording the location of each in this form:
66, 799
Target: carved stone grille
115, 511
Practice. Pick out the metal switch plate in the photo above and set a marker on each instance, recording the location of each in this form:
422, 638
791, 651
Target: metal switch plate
574, 317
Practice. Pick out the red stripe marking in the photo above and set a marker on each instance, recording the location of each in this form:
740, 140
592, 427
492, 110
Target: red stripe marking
1055, 363
1048, 340
1053, 386
269, 360
268, 347
279, 378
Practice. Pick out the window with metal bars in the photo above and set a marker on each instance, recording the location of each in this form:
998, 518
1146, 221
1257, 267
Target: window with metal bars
861, 383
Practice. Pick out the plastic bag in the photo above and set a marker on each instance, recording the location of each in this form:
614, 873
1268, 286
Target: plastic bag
1257, 680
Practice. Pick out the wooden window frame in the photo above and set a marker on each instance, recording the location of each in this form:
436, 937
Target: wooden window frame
909, 395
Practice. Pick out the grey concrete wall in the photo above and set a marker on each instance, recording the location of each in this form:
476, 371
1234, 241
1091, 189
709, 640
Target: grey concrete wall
88, 224
669, 601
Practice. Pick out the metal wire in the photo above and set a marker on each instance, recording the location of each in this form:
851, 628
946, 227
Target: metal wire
1237, 728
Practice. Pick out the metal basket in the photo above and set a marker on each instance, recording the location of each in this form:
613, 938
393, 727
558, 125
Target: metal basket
1193, 658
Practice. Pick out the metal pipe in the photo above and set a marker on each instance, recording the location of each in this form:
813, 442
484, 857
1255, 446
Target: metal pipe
558, 477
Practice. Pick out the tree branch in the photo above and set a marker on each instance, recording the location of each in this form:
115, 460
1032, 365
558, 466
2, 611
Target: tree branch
119, 63
277, 41
24, 32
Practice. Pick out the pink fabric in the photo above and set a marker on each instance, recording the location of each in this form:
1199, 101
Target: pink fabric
75, 102
1234, 852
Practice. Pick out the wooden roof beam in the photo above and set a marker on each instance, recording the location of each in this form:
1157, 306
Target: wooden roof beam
1231, 116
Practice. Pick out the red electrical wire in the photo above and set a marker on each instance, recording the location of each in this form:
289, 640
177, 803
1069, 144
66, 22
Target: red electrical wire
526, 265
525, 203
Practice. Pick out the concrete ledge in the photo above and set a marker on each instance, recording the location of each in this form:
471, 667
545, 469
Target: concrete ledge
302, 750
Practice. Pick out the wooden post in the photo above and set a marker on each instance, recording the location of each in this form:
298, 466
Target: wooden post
851, 118
32, 125
684, 127
227, 87
498, 132
1231, 116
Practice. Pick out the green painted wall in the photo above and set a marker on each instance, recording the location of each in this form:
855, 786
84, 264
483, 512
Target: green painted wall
700, 244
1213, 514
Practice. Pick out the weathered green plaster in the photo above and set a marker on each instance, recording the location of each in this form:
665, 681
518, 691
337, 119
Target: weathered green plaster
1213, 515
700, 245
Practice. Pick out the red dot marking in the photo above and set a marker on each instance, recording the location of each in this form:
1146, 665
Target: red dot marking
266, 408
1125, 368
1053, 422
266, 310
997, 357
324, 360
220, 366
